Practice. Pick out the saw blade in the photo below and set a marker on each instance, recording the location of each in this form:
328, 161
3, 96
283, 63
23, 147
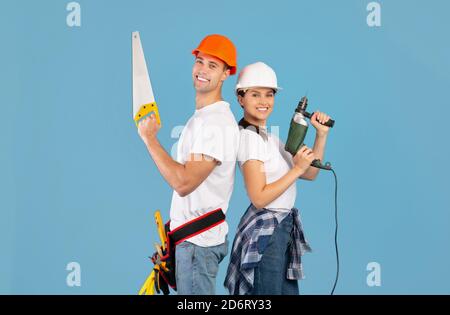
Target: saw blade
143, 98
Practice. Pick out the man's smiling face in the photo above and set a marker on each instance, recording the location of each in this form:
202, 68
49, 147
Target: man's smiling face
208, 73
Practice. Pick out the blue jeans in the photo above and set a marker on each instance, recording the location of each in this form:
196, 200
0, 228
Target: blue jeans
270, 274
197, 267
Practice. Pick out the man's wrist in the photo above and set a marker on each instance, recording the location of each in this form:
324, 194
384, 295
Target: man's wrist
151, 142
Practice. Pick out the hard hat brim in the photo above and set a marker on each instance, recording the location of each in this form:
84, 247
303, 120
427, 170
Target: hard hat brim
233, 68
266, 87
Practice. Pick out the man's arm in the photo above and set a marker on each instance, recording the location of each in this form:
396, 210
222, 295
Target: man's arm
183, 178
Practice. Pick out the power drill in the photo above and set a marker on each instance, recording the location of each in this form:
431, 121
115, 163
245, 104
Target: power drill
298, 129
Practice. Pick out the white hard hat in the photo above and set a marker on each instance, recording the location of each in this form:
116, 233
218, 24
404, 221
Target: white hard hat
257, 74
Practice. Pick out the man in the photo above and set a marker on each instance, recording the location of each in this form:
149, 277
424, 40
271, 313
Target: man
202, 176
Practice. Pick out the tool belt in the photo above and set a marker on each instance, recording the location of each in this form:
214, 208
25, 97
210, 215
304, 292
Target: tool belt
165, 264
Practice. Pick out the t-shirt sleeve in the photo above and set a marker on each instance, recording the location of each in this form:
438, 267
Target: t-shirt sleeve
251, 147
285, 154
210, 140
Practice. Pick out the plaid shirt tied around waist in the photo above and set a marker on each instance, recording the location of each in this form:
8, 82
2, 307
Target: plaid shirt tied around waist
254, 231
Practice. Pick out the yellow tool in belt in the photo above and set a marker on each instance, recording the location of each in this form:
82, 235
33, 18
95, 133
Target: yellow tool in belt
161, 229
149, 285
153, 282
143, 99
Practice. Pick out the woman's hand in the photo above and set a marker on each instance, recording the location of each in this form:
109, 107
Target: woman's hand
303, 159
317, 119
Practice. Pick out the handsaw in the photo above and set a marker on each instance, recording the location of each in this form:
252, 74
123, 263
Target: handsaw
143, 99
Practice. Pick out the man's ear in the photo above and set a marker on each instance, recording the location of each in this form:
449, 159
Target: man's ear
225, 74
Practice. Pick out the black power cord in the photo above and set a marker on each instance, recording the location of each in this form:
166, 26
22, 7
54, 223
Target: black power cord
335, 231
327, 166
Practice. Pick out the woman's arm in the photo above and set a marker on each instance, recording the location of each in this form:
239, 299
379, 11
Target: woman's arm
319, 150
317, 120
261, 193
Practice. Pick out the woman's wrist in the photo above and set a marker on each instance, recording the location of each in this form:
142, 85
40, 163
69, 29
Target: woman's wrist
299, 171
321, 134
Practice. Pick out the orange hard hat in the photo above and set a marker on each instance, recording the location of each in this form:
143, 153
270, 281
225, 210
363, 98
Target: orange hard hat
221, 47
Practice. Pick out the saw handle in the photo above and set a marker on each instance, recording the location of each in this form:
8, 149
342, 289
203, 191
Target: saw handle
145, 111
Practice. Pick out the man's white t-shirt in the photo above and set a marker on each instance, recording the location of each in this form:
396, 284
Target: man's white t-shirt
211, 131
268, 149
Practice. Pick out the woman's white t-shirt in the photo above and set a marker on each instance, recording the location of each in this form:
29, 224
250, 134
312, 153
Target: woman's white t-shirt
269, 149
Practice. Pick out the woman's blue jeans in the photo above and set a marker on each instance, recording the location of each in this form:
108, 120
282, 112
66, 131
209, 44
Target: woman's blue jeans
270, 274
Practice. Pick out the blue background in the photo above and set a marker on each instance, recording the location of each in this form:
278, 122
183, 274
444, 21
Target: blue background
78, 185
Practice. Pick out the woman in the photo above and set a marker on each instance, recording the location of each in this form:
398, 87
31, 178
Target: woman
266, 250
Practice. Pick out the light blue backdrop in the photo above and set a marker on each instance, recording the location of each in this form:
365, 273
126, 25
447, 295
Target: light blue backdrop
77, 184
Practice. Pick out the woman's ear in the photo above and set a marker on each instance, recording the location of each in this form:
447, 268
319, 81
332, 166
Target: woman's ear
240, 100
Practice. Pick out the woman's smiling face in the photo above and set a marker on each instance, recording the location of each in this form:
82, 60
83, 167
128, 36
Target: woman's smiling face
258, 104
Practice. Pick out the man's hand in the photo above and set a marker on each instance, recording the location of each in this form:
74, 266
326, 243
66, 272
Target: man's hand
148, 128
317, 119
